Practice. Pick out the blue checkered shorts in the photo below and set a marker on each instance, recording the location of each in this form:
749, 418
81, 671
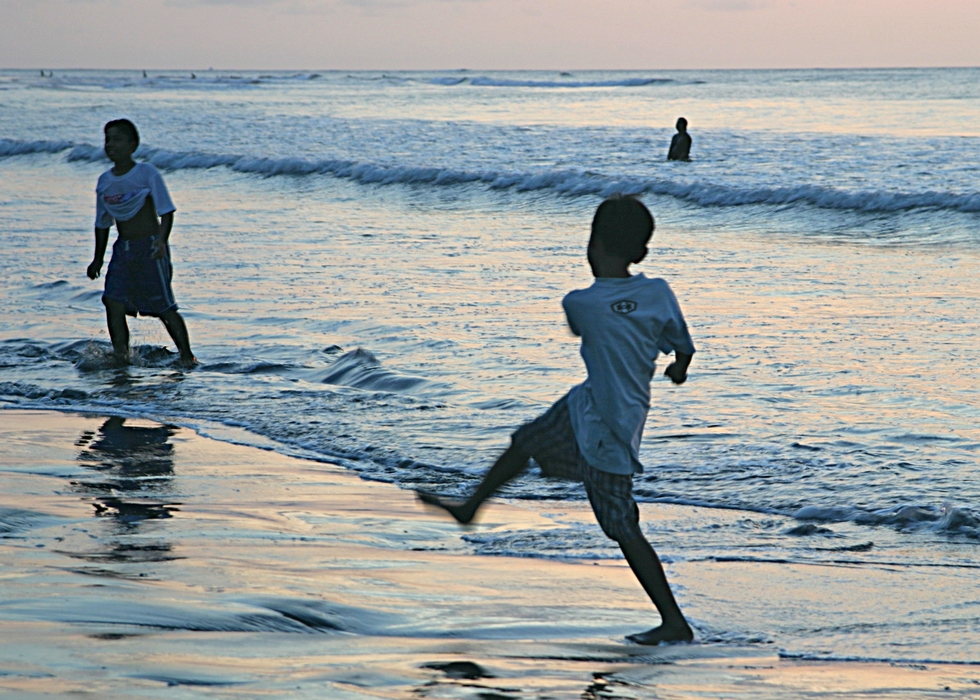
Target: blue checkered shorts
550, 440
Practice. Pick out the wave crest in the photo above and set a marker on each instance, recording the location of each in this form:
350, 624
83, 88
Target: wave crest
571, 183
12, 147
484, 81
362, 370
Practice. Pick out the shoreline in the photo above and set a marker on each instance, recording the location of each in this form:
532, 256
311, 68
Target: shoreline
139, 558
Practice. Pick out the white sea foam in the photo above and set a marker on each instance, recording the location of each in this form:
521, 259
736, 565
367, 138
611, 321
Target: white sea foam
947, 519
896, 660
451, 80
485, 81
573, 183
13, 147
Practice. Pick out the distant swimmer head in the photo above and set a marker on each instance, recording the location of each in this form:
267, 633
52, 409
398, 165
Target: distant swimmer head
682, 124
622, 226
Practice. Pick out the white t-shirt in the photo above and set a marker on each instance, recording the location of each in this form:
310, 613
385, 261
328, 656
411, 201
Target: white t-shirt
119, 198
624, 323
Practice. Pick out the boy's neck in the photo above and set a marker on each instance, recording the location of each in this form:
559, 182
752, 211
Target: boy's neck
610, 268
123, 166
625, 274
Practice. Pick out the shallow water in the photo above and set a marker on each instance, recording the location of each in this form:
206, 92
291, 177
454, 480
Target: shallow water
371, 268
143, 560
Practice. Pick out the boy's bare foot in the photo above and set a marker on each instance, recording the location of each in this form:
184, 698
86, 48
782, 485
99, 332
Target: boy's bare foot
188, 362
459, 511
119, 359
677, 633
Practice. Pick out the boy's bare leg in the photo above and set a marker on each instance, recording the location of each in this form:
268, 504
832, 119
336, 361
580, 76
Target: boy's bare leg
647, 567
508, 465
115, 316
178, 332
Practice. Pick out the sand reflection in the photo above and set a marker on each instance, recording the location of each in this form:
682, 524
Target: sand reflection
132, 483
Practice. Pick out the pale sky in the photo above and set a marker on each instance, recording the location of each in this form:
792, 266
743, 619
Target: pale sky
487, 34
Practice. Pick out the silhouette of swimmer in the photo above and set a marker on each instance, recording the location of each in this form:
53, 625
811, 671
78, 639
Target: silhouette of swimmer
680, 145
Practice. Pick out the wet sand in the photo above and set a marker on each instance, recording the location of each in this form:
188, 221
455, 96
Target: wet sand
142, 560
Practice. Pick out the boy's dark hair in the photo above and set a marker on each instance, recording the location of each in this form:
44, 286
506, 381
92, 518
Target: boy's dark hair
623, 225
126, 126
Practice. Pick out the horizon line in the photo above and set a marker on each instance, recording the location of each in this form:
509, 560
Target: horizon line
495, 70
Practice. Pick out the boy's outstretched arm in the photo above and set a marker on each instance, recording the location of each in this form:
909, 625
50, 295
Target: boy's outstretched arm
101, 241
677, 370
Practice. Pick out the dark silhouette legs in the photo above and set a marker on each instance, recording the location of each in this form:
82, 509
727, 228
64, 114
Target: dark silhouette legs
646, 566
115, 313
115, 316
641, 557
509, 465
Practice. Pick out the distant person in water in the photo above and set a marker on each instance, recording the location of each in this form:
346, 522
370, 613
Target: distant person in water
138, 280
680, 145
592, 434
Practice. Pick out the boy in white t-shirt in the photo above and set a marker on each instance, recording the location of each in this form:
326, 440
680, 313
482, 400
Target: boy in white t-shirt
132, 195
592, 434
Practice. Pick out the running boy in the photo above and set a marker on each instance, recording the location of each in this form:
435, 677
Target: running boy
133, 195
592, 434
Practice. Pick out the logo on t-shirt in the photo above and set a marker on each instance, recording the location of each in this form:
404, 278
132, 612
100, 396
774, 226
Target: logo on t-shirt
624, 307
116, 199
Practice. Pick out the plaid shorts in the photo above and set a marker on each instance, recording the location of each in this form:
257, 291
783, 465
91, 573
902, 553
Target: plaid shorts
550, 440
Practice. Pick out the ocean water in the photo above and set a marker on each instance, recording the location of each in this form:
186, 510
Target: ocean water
371, 267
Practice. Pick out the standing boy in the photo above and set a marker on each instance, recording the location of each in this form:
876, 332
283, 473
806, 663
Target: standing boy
133, 195
593, 433
680, 144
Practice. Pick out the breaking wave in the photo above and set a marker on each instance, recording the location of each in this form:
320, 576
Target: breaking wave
570, 183
362, 370
483, 81
12, 147
204, 80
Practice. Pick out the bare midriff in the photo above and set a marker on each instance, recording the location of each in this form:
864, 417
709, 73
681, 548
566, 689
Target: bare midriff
143, 225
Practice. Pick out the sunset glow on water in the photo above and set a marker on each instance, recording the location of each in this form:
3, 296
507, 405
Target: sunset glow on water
371, 267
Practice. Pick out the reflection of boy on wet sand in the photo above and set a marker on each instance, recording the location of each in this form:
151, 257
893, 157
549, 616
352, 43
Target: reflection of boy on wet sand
592, 434
133, 195
136, 466
680, 145
146, 450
